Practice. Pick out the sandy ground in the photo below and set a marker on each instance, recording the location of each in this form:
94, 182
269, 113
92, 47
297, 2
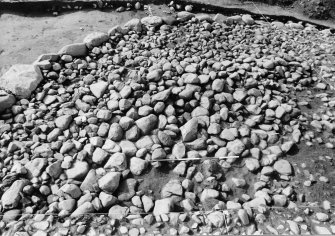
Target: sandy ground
25, 37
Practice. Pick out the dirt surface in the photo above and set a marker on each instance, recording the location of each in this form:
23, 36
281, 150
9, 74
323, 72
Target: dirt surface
25, 37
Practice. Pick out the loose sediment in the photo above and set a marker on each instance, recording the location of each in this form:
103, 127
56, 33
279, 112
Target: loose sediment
223, 90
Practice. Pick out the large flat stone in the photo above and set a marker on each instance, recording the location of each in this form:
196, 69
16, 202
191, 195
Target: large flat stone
75, 50
95, 39
21, 79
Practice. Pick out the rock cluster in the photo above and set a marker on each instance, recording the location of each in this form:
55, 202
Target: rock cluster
110, 107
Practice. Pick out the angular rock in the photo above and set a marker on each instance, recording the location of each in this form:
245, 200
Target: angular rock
72, 190
99, 88
35, 167
54, 169
118, 212
236, 147
184, 16
90, 182
173, 187
147, 202
134, 24
117, 161
83, 209
137, 165
163, 206
189, 130
21, 79
115, 132
63, 122
110, 182
107, 200
147, 124
128, 148
78, 170
99, 156
152, 21
126, 189
252, 164
243, 216
216, 218
161, 96
11, 198
248, 19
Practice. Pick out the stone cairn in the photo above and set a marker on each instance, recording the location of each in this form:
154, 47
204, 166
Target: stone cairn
80, 129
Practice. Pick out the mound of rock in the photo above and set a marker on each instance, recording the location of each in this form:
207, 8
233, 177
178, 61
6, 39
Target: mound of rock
107, 109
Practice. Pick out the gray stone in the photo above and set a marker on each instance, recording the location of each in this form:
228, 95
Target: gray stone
283, 167
118, 212
219, 18
137, 165
110, 182
99, 88
279, 200
320, 230
126, 189
11, 215
90, 182
147, 124
147, 202
95, 39
189, 130
248, 19
78, 170
216, 218
243, 216
117, 161
54, 169
184, 16
209, 194
67, 205
134, 25
161, 96
145, 142
6, 100
63, 122
83, 209
322, 216
252, 164
293, 227
107, 200
173, 187
21, 79
11, 198
35, 167
152, 21
75, 50
128, 148
115, 132
99, 156
163, 206
236, 147
71, 189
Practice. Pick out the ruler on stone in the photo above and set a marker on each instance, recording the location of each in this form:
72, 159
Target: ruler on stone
194, 159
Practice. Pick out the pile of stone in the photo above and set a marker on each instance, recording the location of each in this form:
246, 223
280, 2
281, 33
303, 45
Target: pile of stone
80, 127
